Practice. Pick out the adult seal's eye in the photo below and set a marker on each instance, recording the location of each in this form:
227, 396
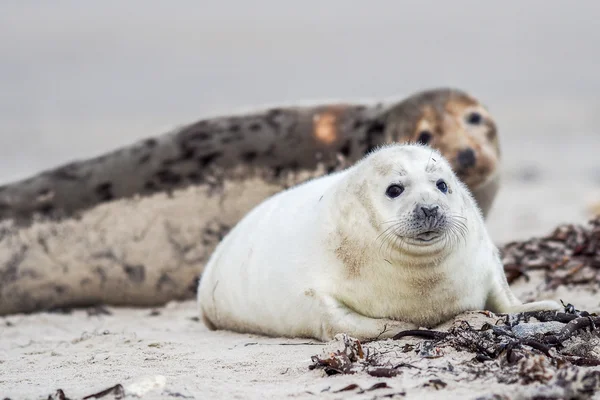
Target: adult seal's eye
441, 185
474, 118
394, 191
424, 137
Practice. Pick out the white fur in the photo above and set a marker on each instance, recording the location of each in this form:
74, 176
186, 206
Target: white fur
318, 259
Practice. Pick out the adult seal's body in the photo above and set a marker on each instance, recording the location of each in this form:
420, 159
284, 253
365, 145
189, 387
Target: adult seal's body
394, 242
282, 146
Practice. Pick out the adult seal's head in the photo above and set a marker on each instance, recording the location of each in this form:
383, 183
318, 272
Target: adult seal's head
460, 127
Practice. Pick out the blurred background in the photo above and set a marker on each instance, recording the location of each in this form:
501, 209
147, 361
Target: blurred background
78, 79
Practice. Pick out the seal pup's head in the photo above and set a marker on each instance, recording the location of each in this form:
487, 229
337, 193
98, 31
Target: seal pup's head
453, 122
414, 202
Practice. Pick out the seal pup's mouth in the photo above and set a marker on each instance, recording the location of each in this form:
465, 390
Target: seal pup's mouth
427, 236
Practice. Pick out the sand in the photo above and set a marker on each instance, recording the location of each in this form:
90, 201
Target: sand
167, 352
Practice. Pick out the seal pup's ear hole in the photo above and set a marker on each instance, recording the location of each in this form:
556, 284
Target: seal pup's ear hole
424, 137
474, 118
394, 191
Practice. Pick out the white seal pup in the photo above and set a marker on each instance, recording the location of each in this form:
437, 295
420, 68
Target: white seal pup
394, 242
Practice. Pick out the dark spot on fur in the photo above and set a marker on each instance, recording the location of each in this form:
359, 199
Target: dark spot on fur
194, 285
234, 128
199, 136
169, 162
104, 191
270, 150
254, 127
377, 128
227, 140
168, 177
277, 170
45, 209
249, 156
55, 310
194, 176
44, 192
136, 273
150, 186
238, 136
214, 233
357, 124
346, 148
144, 159
101, 274
164, 280
272, 119
43, 244
136, 150
187, 153
60, 289
10, 271
207, 159
150, 143
274, 113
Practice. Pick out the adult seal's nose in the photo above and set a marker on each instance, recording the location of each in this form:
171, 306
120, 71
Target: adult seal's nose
429, 211
466, 158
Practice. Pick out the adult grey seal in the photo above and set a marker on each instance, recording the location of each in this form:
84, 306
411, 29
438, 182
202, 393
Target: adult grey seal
273, 144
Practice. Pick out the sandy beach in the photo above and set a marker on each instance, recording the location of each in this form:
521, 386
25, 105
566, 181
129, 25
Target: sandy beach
79, 80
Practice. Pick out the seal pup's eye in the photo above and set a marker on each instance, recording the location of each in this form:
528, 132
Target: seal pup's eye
474, 118
394, 191
424, 137
441, 185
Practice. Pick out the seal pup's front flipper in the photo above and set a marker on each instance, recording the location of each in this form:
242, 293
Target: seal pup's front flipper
342, 319
501, 300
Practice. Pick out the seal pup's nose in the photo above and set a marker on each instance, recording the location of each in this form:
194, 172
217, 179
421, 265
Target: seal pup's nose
466, 158
429, 211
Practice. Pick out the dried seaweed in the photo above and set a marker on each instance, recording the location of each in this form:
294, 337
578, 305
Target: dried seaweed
492, 341
341, 361
566, 383
59, 395
548, 348
569, 255
117, 391
353, 355
353, 386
